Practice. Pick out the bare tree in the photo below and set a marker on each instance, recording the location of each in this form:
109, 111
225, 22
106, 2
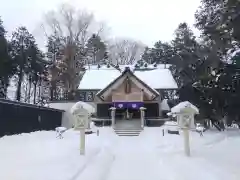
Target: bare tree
73, 27
125, 51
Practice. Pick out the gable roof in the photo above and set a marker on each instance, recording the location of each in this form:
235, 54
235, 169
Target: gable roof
128, 70
97, 79
157, 78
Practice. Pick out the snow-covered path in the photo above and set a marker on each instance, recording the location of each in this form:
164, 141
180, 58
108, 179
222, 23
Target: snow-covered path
130, 164
148, 157
40, 156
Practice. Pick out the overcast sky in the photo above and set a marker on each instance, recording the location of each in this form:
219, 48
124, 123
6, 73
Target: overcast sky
144, 20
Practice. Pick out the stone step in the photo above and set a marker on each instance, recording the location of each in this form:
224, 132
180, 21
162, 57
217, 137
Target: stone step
130, 135
128, 132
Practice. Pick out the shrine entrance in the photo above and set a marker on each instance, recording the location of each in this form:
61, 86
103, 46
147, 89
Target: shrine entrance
127, 114
127, 118
127, 110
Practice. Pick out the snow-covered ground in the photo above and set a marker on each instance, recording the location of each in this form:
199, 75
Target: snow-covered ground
41, 156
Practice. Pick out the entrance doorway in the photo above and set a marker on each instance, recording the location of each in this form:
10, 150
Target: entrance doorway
127, 114
127, 118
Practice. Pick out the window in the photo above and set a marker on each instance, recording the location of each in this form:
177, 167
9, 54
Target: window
89, 96
82, 96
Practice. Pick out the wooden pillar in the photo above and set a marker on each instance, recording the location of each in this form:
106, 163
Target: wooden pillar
142, 110
113, 112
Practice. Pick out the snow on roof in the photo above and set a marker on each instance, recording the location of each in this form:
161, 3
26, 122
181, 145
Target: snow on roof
102, 67
132, 67
123, 67
66, 106
98, 78
157, 78
182, 105
159, 66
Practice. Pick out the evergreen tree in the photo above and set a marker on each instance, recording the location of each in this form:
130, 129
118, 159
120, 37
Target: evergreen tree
21, 47
186, 54
162, 53
37, 69
147, 55
54, 54
6, 63
219, 21
96, 49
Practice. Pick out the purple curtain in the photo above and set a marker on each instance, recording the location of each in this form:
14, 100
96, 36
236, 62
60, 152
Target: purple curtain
130, 105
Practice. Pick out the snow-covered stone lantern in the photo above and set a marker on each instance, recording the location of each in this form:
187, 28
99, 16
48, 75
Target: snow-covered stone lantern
81, 122
185, 112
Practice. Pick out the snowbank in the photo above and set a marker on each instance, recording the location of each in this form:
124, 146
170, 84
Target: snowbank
40, 155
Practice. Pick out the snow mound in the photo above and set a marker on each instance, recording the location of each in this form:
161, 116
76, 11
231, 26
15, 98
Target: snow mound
60, 129
170, 123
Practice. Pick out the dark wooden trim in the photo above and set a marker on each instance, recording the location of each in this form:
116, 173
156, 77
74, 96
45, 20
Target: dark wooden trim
85, 90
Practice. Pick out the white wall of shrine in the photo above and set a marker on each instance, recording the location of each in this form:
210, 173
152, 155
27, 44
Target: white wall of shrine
67, 118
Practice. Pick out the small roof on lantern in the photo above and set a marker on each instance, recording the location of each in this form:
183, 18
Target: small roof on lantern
184, 107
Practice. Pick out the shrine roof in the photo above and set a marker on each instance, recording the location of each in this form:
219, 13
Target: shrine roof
155, 77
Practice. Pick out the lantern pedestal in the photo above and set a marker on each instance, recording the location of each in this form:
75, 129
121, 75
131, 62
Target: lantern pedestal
82, 141
186, 141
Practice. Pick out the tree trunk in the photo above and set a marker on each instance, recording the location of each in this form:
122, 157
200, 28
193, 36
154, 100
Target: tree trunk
29, 90
20, 76
19, 85
39, 90
4, 82
34, 93
53, 90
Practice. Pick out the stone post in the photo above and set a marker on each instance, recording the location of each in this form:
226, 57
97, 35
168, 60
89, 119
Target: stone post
113, 112
82, 141
142, 111
186, 141
81, 120
185, 120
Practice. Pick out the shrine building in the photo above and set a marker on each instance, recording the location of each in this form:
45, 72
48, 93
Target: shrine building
127, 88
